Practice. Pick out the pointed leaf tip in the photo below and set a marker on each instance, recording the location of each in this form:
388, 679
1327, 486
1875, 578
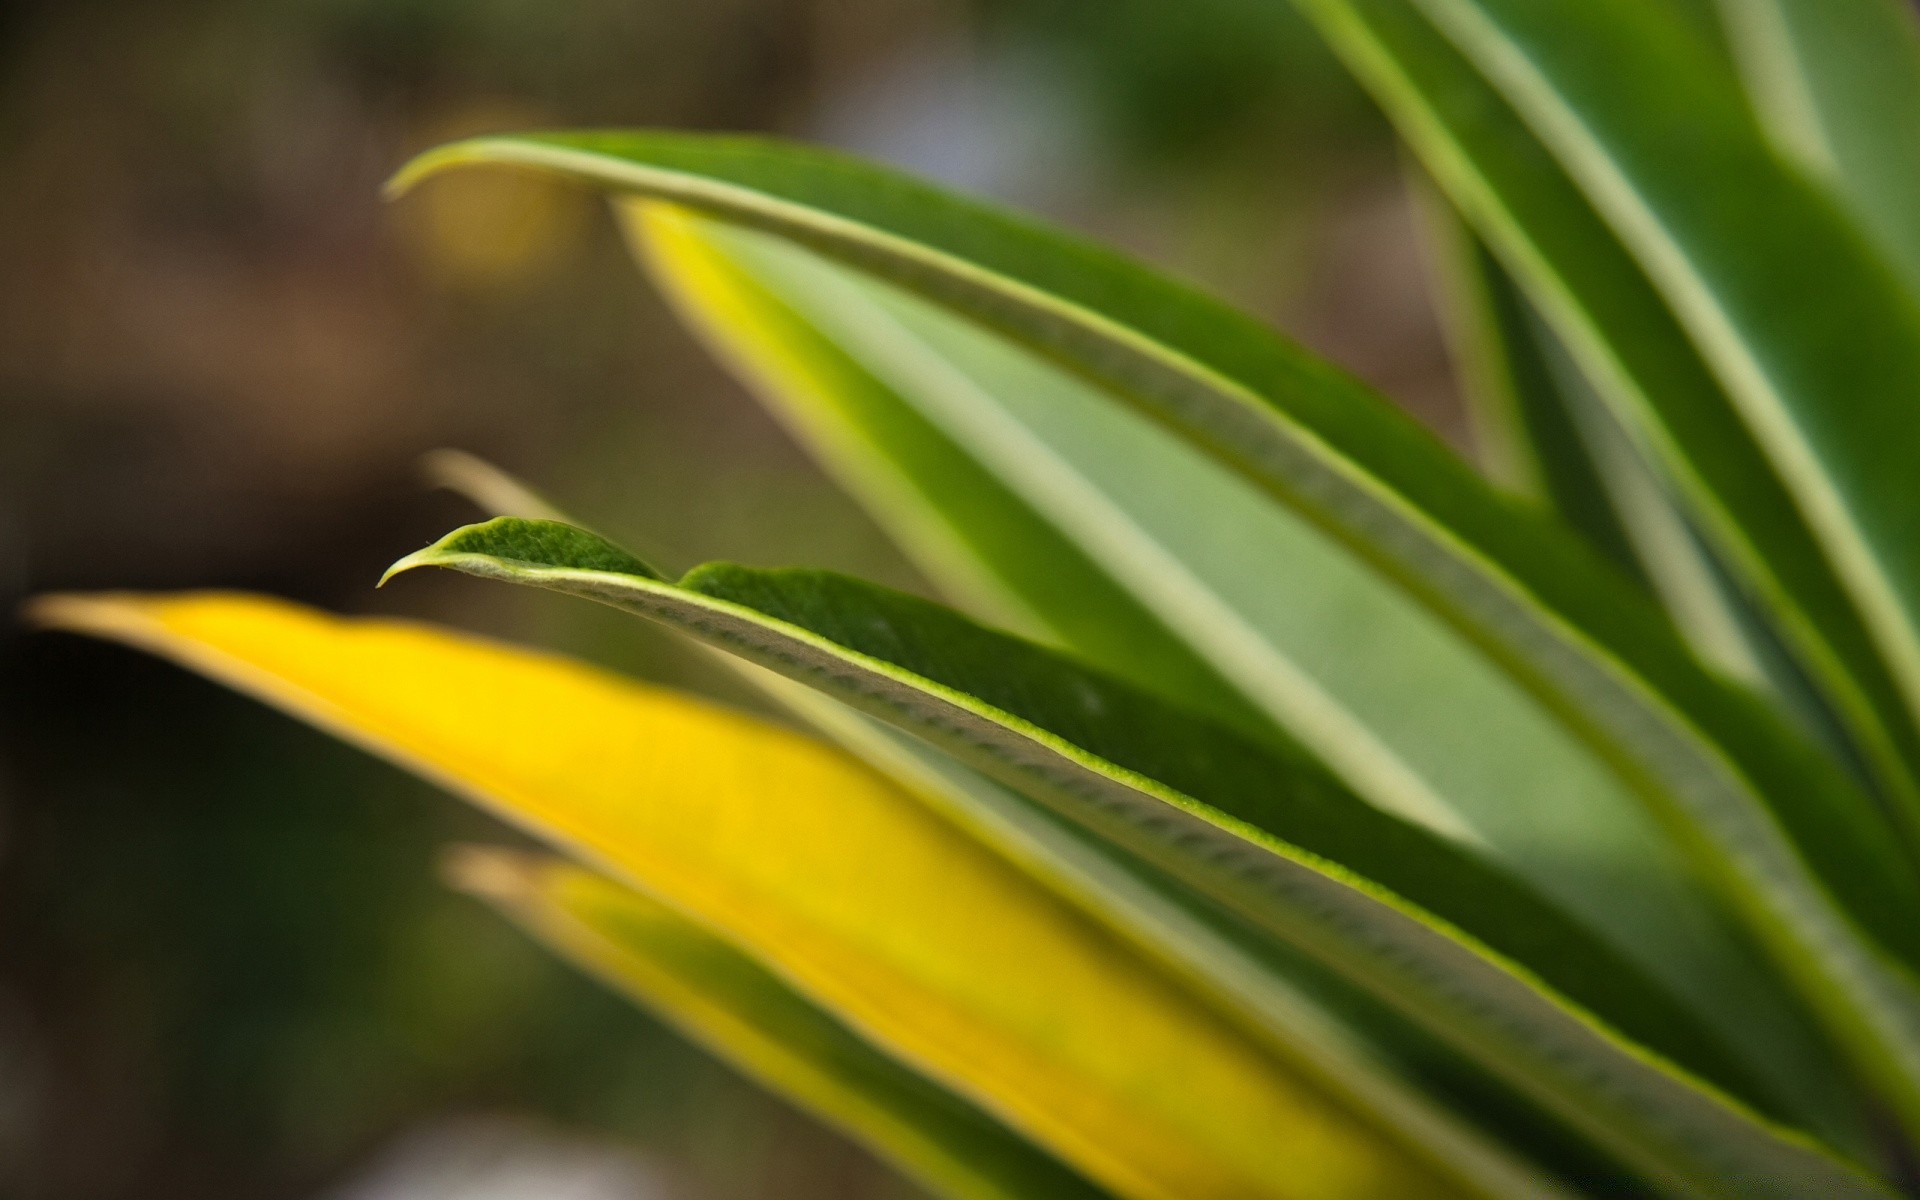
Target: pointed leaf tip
523, 541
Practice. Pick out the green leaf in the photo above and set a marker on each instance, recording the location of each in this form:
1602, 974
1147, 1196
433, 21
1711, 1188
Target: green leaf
1553, 440
1410, 717
1728, 778
979, 539
1524, 437
1333, 877
920, 938
1220, 957
1612, 317
745, 1014
1284, 1000
1753, 262
1837, 85
1639, 359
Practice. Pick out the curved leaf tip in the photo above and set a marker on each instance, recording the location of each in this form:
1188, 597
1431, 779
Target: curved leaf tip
533, 542
430, 162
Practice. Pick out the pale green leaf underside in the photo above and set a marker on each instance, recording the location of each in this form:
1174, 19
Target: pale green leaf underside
980, 540
1471, 998
721, 998
1410, 717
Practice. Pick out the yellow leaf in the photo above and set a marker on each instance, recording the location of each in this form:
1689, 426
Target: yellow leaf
863, 899
742, 1012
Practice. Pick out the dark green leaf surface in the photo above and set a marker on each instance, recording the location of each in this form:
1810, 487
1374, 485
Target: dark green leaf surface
1525, 438
1264, 853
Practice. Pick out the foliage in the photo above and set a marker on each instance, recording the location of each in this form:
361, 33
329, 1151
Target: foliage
1333, 821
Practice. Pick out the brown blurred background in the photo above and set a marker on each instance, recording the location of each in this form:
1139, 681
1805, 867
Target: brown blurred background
226, 969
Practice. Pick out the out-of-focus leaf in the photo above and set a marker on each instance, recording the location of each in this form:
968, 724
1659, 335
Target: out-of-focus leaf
744, 1013
1410, 716
1524, 437
1837, 85
874, 907
1611, 315
486, 485
1550, 438
1273, 839
1812, 335
1639, 359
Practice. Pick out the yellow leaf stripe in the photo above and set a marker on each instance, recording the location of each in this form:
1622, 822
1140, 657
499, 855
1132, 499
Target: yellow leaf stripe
846, 886
736, 1008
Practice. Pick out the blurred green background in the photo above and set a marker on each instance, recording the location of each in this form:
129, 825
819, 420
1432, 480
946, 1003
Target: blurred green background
226, 967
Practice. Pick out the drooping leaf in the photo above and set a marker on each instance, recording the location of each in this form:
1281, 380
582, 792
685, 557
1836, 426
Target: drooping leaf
1406, 713
744, 1013
872, 906
1796, 850
1271, 838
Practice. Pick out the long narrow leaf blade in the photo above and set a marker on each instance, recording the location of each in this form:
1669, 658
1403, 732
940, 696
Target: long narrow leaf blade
1639, 359
1306, 862
1352, 1046
744, 1013
1718, 770
1131, 507
916, 935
